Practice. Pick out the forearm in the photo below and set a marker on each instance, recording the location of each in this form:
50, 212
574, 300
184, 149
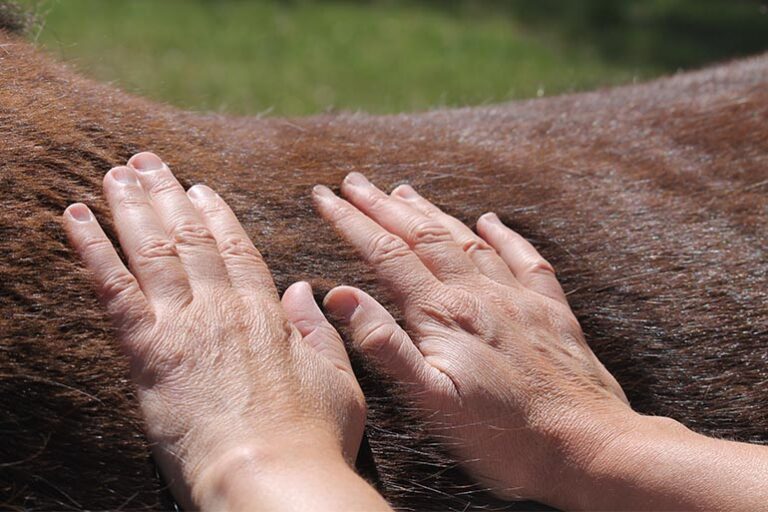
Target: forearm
304, 477
662, 465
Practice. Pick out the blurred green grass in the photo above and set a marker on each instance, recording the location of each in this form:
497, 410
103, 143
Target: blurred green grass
301, 57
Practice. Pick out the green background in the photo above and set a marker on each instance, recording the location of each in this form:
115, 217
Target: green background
301, 57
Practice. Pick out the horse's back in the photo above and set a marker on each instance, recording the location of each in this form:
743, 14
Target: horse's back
650, 200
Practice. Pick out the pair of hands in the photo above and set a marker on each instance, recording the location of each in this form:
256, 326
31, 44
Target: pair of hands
233, 380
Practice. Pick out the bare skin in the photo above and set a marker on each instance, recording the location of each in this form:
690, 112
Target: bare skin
252, 402
495, 359
245, 396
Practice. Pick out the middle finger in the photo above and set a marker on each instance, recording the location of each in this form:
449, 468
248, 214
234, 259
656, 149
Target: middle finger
429, 239
194, 242
482, 255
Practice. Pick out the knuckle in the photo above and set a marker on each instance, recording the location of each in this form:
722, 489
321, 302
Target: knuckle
239, 247
456, 307
432, 212
477, 246
356, 403
92, 245
153, 249
385, 248
466, 311
164, 184
192, 233
120, 293
322, 331
360, 405
516, 310
341, 212
540, 266
428, 232
211, 207
437, 313
118, 286
378, 201
377, 338
133, 198
437, 306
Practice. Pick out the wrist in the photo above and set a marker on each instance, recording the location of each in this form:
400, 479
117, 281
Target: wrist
619, 466
252, 465
307, 473
662, 465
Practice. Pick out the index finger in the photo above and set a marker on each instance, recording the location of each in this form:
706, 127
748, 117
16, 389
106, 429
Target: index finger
392, 259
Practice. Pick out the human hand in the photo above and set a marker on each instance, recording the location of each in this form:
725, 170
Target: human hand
227, 375
493, 355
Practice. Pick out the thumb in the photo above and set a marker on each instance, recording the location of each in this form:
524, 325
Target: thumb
301, 309
377, 335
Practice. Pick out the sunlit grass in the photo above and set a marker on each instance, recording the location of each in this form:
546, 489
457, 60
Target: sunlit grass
293, 58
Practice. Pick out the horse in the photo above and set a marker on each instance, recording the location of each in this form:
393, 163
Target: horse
650, 200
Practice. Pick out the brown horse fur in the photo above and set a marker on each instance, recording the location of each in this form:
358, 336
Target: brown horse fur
650, 200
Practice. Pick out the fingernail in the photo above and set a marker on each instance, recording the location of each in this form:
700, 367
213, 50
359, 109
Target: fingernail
357, 180
322, 191
146, 162
79, 212
492, 217
124, 175
406, 191
343, 307
201, 192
